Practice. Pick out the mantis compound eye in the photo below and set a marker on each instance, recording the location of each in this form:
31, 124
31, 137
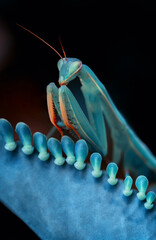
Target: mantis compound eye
74, 67
59, 64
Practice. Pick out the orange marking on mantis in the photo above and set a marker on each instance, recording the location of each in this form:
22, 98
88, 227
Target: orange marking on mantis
65, 117
51, 112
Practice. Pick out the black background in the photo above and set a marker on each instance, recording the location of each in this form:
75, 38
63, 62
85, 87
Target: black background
115, 39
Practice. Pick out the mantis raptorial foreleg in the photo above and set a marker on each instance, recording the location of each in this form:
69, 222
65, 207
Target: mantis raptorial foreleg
54, 108
66, 114
75, 119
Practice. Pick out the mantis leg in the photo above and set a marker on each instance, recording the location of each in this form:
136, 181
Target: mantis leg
54, 111
54, 108
74, 118
95, 115
138, 158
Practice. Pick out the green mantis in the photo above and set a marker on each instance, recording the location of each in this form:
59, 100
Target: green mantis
65, 113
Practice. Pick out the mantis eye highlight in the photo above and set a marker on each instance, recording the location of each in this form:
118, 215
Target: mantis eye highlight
74, 67
59, 64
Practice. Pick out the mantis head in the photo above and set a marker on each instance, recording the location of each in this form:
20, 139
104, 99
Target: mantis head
68, 69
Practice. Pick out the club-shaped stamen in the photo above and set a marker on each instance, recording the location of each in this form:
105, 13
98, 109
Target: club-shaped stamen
81, 152
141, 184
128, 185
150, 197
55, 148
96, 160
40, 144
68, 147
25, 136
6, 131
112, 170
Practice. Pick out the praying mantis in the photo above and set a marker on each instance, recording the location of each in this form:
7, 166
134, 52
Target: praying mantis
65, 113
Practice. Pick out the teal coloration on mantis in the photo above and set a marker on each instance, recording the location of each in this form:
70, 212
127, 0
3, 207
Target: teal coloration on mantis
137, 158
49, 198
65, 113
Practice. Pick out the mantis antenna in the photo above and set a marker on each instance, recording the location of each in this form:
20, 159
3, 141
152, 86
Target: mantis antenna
44, 42
63, 49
